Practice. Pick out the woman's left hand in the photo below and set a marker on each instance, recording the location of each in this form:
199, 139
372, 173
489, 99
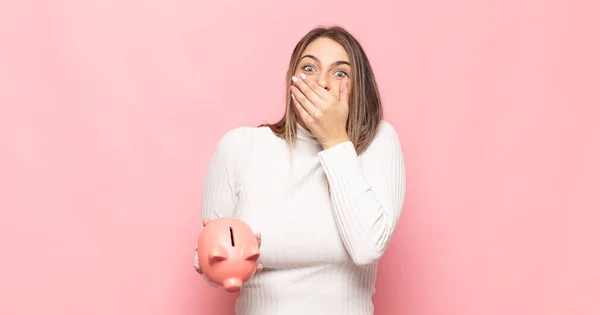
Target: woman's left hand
324, 113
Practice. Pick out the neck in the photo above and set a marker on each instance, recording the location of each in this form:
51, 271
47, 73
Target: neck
306, 141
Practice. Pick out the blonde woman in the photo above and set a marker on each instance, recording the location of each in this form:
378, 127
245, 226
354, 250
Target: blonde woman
324, 185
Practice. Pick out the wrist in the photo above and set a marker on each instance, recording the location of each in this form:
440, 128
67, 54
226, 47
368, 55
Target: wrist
335, 141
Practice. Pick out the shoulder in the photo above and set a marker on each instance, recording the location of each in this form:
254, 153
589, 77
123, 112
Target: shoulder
385, 145
246, 135
240, 142
234, 142
386, 135
386, 129
237, 135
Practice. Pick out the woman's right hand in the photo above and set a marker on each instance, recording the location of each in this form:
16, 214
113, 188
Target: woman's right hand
197, 264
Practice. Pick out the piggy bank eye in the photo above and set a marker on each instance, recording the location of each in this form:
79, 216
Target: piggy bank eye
231, 235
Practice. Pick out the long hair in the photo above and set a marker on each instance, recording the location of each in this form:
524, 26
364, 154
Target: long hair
364, 104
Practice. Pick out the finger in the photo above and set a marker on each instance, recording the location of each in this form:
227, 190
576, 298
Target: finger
259, 239
306, 117
259, 268
196, 263
323, 94
344, 93
305, 103
310, 94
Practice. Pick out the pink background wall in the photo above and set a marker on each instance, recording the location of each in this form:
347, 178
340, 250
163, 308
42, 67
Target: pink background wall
110, 111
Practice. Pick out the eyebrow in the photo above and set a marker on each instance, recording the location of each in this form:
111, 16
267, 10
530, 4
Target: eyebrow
337, 63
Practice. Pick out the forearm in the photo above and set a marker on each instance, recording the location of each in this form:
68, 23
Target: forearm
366, 200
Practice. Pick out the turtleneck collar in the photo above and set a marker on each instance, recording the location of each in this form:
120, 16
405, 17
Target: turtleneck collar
306, 141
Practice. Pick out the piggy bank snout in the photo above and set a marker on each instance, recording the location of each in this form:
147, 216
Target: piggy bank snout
232, 284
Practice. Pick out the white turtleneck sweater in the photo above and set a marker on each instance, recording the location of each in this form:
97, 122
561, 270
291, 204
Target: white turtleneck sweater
319, 251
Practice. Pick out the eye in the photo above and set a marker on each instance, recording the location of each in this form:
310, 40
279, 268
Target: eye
308, 68
341, 74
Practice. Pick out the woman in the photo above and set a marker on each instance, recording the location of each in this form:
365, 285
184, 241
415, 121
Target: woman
324, 186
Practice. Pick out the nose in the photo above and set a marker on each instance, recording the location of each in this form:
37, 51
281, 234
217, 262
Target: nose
323, 81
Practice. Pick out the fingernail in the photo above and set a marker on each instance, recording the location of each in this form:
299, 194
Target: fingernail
293, 96
303, 76
294, 79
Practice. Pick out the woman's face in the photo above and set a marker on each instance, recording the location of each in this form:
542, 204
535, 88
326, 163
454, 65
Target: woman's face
325, 62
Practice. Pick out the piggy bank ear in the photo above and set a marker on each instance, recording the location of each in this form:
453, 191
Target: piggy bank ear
205, 222
216, 255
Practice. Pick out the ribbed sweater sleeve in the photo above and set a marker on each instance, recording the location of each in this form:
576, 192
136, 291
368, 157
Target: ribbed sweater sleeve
220, 192
219, 196
367, 193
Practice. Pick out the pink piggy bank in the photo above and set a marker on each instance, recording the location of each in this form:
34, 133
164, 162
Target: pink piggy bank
228, 252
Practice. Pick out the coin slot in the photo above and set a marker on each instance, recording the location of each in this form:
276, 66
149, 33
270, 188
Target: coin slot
231, 234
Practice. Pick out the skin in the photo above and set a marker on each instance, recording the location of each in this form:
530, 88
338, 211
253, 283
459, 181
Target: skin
320, 91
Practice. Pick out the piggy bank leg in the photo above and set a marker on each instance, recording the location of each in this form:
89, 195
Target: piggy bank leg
232, 285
